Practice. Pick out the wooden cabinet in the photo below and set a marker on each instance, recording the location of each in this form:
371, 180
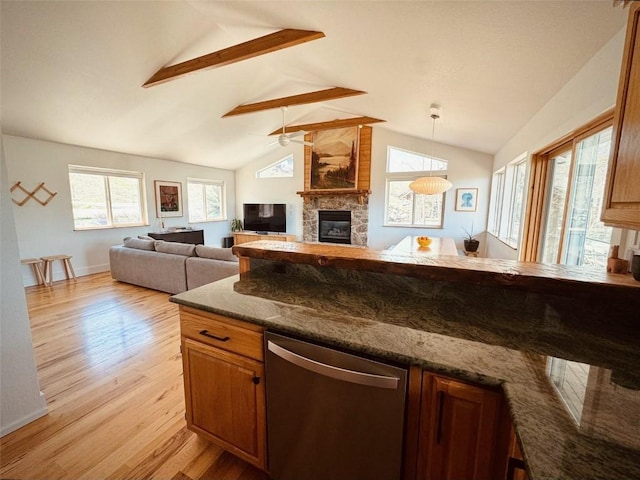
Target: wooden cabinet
244, 237
224, 382
515, 466
622, 194
459, 431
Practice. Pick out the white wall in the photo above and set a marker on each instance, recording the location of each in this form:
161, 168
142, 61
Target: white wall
250, 189
48, 230
20, 398
590, 92
466, 169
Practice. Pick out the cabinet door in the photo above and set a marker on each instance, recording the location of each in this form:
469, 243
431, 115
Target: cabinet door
224, 399
240, 238
622, 195
459, 429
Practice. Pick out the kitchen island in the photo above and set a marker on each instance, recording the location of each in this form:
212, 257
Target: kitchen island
494, 323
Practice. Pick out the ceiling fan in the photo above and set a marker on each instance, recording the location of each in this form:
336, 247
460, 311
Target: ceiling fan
285, 138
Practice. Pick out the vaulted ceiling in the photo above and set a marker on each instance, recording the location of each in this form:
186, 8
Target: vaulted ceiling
72, 72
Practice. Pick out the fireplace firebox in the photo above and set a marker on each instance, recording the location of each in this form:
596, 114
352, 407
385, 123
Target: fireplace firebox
334, 226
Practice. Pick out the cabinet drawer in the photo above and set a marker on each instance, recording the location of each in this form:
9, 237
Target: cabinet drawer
221, 332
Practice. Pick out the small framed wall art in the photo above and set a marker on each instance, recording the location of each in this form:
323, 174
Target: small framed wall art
466, 199
168, 199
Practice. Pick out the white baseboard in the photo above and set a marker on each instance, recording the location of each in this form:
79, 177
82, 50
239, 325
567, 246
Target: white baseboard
28, 279
21, 422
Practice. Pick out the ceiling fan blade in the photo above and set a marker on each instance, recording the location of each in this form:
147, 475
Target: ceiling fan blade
302, 142
296, 134
271, 143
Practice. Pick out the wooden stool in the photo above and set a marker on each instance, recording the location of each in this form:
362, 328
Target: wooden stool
36, 263
48, 267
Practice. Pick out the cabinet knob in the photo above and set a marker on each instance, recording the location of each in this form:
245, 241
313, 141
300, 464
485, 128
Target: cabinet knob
256, 380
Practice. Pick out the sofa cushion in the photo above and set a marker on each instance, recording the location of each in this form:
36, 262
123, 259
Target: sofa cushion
159, 271
216, 253
146, 237
187, 249
138, 243
201, 271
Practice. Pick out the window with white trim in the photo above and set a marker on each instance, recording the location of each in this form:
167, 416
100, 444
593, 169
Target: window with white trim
106, 198
519, 171
507, 201
283, 168
403, 207
206, 200
497, 194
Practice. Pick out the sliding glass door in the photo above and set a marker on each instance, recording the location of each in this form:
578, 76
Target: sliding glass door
572, 233
559, 169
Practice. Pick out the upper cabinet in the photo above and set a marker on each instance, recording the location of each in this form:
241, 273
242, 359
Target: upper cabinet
621, 206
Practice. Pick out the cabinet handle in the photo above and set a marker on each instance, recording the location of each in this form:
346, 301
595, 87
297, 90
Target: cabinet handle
440, 415
207, 334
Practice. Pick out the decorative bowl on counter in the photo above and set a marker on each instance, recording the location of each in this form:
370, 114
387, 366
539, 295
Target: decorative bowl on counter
424, 241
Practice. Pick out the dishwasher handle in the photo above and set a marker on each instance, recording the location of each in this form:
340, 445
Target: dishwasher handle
351, 376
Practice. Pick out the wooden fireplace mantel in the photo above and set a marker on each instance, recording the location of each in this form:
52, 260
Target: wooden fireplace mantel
361, 194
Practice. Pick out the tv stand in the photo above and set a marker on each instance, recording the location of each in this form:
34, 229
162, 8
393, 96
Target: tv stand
244, 237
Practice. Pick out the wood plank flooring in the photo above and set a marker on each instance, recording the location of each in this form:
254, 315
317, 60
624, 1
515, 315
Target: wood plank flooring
109, 363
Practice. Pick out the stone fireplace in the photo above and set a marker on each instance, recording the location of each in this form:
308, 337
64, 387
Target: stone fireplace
353, 201
358, 213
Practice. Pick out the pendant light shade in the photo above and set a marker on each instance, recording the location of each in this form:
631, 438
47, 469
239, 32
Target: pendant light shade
431, 185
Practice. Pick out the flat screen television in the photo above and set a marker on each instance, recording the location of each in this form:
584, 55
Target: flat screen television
265, 217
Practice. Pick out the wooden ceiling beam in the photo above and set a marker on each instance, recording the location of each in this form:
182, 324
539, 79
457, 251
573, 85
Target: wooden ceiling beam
311, 97
258, 46
338, 123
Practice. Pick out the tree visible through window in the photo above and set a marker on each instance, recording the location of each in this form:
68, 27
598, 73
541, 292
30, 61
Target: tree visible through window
103, 198
404, 207
567, 193
206, 200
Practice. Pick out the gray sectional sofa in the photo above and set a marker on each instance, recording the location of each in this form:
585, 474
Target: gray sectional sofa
169, 266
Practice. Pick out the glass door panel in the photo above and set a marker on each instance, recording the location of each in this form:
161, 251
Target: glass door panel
559, 170
586, 238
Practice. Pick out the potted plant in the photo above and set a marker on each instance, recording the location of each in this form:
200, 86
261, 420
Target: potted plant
236, 225
470, 244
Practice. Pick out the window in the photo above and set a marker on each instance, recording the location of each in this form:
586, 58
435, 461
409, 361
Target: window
519, 170
564, 226
507, 199
206, 200
104, 198
573, 232
497, 194
281, 169
403, 206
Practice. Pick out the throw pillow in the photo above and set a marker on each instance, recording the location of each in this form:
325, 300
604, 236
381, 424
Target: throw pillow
187, 249
138, 243
216, 253
146, 237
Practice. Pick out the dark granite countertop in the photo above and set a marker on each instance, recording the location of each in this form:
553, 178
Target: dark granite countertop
486, 335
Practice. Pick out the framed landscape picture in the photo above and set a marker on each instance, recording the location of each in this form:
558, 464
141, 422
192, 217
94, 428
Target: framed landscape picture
168, 199
466, 199
334, 159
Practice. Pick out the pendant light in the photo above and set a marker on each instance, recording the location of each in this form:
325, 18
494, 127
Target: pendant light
431, 185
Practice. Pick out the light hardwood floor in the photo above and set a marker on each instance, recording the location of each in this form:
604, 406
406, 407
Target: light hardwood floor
109, 363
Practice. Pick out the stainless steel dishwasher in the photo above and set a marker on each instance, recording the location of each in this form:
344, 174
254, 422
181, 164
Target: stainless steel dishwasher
332, 415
